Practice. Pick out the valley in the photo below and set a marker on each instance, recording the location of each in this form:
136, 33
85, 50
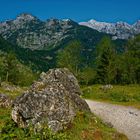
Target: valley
64, 80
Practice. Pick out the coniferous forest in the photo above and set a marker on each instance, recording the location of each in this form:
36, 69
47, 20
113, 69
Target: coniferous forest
108, 63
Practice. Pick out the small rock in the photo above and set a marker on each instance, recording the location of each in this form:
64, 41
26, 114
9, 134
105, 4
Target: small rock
5, 101
105, 88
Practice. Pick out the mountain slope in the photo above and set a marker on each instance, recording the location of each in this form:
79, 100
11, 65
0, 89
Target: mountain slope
119, 30
28, 31
35, 59
37, 42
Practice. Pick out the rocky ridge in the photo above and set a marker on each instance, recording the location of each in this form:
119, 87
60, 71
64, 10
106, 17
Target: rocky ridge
119, 30
28, 31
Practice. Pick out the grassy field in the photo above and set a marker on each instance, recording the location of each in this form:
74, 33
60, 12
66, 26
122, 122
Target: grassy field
84, 127
125, 95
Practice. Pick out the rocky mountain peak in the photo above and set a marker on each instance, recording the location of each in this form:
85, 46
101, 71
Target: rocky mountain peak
138, 22
100, 26
136, 26
93, 21
70, 22
121, 24
30, 32
25, 17
119, 30
67, 20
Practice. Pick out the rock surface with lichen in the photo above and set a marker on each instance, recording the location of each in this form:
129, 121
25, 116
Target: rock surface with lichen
53, 100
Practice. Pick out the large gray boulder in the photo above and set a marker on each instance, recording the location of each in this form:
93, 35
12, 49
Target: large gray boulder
53, 100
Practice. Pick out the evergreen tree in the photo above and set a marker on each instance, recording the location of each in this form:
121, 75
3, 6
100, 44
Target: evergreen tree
131, 61
105, 61
87, 75
11, 68
71, 57
2, 67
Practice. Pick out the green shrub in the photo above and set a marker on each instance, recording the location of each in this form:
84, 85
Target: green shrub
11, 131
85, 126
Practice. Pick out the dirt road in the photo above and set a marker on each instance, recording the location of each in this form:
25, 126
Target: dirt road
125, 119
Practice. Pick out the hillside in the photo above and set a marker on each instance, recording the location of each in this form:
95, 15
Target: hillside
35, 59
30, 32
37, 43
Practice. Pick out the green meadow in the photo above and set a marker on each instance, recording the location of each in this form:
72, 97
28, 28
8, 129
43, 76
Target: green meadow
120, 94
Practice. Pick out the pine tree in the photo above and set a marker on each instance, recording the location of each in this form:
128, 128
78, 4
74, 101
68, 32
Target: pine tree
87, 75
131, 65
71, 57
105, 61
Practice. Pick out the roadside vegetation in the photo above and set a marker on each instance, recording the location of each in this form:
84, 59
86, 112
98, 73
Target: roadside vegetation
85, 126
120, 94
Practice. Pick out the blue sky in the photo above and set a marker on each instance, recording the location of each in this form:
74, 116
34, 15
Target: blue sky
78, 10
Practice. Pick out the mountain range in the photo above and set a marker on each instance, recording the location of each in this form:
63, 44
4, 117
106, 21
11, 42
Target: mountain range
119, 30
30, 32
38, 42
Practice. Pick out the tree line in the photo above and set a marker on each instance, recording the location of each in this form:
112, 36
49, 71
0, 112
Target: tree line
104, 64
13, 71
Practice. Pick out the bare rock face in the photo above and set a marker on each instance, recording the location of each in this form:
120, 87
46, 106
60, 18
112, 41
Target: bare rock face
30, 32
53, 101
5, 101
119, 30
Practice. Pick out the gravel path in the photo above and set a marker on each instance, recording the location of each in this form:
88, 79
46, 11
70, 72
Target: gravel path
125, 119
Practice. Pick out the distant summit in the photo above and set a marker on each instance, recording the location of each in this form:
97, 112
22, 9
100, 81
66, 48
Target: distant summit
28, 31
38, 42
25, 16
119, 30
